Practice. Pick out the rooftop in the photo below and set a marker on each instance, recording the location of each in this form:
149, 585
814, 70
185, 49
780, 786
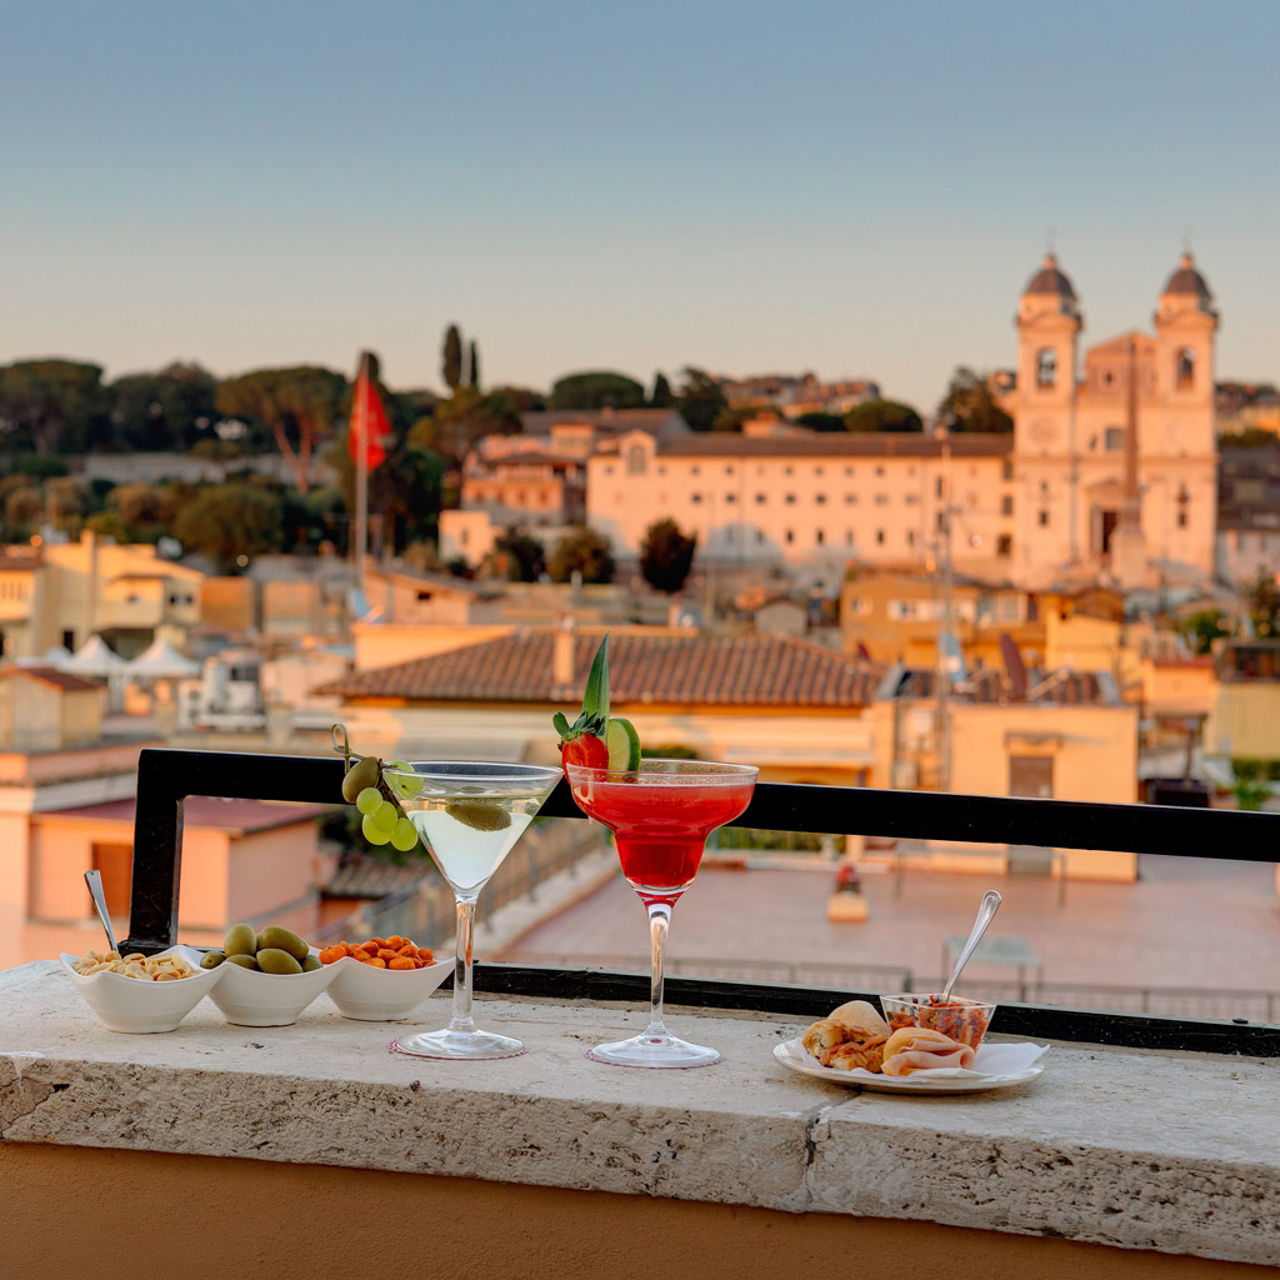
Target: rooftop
740, 671
51, 675
236, 817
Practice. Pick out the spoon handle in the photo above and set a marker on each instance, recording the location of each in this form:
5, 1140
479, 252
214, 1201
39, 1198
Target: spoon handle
94, 880
986, 913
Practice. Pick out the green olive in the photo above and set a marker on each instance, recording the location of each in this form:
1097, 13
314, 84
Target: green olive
364, 773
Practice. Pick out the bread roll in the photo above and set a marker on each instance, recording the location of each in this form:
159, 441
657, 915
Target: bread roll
851, 1054
861, 1018
822, 1038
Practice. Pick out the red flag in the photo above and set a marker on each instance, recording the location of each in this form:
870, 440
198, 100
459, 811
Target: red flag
368, 422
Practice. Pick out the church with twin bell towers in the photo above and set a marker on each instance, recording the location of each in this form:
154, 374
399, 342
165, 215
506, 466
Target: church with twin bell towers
1116, 465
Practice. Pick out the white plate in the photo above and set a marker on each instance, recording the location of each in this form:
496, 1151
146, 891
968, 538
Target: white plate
1022, 1063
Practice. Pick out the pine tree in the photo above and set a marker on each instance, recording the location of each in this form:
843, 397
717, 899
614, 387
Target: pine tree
452, 367
662, 397
475, 366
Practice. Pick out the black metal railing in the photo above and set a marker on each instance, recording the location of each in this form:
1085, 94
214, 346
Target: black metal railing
167, 777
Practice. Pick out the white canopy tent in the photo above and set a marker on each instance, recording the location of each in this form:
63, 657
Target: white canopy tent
162, 662
95, 658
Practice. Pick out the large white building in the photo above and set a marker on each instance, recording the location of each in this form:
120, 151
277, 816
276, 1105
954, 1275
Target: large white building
1033, 507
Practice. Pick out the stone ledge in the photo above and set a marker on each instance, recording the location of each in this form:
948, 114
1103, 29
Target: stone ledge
1174, 1153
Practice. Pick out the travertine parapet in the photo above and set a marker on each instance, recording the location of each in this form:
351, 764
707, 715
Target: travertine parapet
1175, 1153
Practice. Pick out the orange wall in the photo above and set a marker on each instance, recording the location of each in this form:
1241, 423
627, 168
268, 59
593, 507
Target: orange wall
258, 1218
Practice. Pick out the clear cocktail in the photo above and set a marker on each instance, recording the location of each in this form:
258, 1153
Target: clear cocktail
661, 814
469, 816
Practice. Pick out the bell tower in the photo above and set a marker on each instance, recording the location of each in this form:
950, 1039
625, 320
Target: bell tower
1045, 451
1186, 321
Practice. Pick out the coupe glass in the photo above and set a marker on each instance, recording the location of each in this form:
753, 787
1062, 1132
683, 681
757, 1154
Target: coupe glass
469, 816
661, 815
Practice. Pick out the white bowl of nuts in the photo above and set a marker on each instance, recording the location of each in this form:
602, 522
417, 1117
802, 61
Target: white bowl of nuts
137, 993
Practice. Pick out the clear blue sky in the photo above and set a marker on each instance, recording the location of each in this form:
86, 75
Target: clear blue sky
854, 188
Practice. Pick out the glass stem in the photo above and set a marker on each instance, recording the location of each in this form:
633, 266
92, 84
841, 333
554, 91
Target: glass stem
462, 1019
659, 923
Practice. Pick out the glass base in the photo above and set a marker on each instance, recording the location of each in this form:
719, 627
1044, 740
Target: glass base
473, 1045
654, 1051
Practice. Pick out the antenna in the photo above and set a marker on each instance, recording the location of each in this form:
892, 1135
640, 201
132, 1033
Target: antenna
1050, 236
1186, 239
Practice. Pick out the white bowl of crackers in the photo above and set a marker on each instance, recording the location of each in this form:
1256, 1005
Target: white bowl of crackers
138, 993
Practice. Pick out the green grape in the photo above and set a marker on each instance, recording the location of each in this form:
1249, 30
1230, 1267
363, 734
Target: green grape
405, 785
369, 800
404, 835
385, 816
374, 834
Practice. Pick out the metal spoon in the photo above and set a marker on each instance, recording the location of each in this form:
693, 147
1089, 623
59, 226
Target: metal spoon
94, 880
986, 913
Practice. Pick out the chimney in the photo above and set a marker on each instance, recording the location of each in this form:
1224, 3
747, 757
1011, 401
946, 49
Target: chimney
562, 654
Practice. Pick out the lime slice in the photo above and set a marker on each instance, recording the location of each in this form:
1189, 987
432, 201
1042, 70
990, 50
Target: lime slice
624, 744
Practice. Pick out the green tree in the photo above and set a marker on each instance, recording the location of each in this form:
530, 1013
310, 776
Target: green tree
516, 557
821, 421
297, 405
596, 389
23, 507
1247, 438
584, 551
1264, 607
230, 521
666, 556
405, 492
700, 400
731, 418
970, 404
882, 415
457, 423
451, 361
474, 365
1202, 629
169, 409
52, 406
661, 398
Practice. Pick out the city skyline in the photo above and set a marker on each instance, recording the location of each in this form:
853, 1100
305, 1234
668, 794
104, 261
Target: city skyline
848, 190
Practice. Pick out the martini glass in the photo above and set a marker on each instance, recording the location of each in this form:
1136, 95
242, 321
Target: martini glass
469, 816
661, 815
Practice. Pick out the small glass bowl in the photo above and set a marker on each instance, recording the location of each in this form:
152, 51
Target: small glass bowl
963, 1020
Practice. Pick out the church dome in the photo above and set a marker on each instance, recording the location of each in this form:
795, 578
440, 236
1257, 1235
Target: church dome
1049, 279
1187, 280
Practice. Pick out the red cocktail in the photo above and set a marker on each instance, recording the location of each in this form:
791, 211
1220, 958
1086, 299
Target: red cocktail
661, 814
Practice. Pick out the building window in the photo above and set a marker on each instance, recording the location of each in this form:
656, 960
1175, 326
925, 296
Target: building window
1113, 439
879, 471
1043, 519
820, 499
940, 487
1004, 545
608, 470
759, 535
1006, 505
819, 538
636, 460
731, 497
850, 499
1006, 469
789, 536
762, 498
848, 537
1182, 519
911, 537
1185, 369
695, 497
786, 471
817, 471
693, 471
1046, 367
69, 640
880, 537
882, 499
790, 499
848, 471
728, 470
912, 499
662, 471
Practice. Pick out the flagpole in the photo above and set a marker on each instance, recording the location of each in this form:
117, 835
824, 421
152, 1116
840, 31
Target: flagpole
362, 472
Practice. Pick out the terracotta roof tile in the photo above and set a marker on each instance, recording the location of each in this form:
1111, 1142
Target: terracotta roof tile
707, 671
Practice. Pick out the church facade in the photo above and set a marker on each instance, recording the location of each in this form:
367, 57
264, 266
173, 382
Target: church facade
1129, 441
